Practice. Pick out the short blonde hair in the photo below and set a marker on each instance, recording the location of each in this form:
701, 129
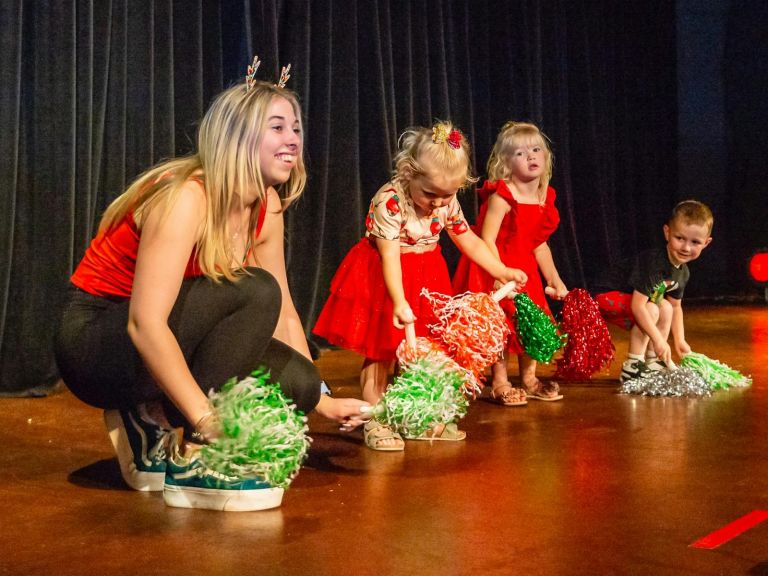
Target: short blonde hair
418, 143
693, 212
511, 136
226, 162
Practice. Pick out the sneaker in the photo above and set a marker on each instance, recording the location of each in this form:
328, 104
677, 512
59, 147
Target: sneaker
655, 365
190, 484
632, 369
142, 448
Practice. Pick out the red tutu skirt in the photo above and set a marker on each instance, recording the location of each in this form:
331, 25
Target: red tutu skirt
358, 313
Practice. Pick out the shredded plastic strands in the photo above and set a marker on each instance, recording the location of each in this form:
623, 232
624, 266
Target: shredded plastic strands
716, 374
425, 394
472, 327
263, 436
681, 382
588, 347
535, 329
433, 352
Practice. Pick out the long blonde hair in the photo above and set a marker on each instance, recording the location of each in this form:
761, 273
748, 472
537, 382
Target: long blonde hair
227, 161
511, 136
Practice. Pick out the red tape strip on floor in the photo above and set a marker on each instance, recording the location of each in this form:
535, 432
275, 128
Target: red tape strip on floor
730, 531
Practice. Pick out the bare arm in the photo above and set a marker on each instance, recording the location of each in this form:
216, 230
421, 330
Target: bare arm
546, 263
678, 327
648, 325
269, 254
494, 215
164, 250
478, 251
389, 250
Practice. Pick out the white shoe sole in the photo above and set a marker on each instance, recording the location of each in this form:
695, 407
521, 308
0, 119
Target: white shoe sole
224, 500
136, 479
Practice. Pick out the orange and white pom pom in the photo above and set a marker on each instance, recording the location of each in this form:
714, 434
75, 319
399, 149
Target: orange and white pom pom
471, 326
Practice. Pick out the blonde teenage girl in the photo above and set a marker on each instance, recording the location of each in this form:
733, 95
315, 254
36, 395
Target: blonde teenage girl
184, 287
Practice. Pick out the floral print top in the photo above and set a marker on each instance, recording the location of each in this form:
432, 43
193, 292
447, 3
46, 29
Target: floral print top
392, 217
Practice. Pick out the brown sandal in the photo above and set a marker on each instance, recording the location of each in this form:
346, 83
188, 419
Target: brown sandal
449, 432
374, 432
546, 392
511, 396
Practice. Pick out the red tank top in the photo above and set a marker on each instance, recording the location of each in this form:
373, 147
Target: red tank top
109, 263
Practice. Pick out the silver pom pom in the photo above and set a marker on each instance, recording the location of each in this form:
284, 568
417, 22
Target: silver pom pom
681, 382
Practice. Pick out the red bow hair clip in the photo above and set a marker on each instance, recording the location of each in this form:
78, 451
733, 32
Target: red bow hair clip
454, 139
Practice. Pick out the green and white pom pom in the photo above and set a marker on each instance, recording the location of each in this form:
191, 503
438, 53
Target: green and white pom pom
263, 436
715, 373
424, 395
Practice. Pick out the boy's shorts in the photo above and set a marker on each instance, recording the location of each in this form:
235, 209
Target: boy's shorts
616, 308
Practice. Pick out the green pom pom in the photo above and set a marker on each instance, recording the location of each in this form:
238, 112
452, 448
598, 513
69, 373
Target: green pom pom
715, 373
537, 333
424, 395
263, 435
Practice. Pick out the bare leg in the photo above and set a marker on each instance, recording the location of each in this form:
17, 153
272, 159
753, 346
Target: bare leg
534, 387
502, 392
639, 340
373, 380
500, 377
373, 383
527, 371
664, 323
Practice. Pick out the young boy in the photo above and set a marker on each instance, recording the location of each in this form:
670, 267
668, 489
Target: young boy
644, 295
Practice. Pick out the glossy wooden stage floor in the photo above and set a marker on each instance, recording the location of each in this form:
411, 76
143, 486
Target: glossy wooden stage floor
598, 484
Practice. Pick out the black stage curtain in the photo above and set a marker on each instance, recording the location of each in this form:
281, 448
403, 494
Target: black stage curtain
92, 93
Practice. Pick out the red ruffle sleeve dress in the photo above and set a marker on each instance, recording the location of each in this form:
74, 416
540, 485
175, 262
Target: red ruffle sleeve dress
524, 228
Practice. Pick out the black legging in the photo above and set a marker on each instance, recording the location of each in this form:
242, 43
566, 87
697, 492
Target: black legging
224, 330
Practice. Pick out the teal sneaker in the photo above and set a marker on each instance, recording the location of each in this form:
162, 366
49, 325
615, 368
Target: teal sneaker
142, 448
190, 484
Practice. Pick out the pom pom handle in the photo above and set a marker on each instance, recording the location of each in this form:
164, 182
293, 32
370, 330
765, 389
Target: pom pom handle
410, 335
504, 291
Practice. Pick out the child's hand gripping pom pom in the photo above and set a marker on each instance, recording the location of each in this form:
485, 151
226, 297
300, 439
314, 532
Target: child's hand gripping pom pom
472, 327
680, 382
413, 349
262, 435
718, 375
588, 346
426, 394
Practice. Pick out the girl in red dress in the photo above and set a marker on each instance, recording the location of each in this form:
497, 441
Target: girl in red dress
516, 218
376, 290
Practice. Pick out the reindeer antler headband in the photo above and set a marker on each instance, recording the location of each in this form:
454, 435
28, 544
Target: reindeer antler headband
250, 77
